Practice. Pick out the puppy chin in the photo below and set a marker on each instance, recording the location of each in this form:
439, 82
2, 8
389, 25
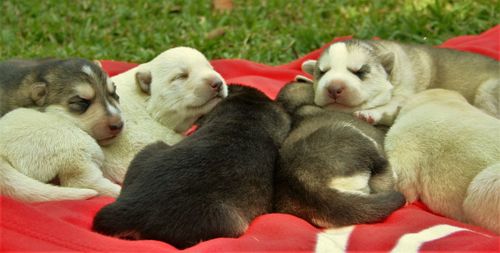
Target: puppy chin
107, 141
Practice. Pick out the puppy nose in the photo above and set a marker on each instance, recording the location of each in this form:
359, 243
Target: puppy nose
335, 90
216, 84
116, 128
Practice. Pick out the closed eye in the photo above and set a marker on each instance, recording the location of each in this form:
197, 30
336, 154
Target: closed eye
361, 72
180, 76
322, 72
79, 105
115, 96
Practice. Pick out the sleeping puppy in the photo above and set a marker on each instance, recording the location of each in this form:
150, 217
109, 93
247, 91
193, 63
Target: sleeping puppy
161, 99
373, 79
446, 153
332, 169
211, 184
80, 108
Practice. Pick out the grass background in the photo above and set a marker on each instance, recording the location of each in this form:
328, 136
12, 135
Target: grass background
270, 32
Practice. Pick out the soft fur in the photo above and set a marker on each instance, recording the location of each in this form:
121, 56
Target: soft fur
373, 79
161, 99
446, 153
80, 87
333, 170
211, 184
37, 147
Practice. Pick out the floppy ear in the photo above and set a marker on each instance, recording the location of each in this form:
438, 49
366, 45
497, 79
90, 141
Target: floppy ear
308, 66
143, 80
387, 61
39, 93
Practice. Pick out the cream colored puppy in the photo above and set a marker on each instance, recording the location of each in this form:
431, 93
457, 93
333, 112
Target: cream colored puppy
37, 147
160, 100
374, 78
446, 153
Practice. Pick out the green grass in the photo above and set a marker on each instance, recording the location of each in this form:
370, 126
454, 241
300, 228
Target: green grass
270, 32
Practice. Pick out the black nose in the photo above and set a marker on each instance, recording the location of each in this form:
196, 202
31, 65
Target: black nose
216, 84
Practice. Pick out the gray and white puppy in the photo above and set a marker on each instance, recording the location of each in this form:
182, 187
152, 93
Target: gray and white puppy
332, 170
374, 78
211, 184
79, 86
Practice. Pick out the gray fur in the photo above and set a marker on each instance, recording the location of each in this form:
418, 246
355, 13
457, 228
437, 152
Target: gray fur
324, 145
19, 78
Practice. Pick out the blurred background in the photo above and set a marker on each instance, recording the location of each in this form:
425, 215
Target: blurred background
271, 32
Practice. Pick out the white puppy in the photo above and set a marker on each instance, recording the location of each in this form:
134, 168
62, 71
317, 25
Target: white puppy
160, 100
373, 79
446, 153
37, 147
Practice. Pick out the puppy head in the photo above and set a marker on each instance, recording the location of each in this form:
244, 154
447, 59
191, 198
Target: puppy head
82, 92
351, 75
182, 85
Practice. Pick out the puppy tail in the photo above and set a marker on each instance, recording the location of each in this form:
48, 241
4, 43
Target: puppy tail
369, 208
333, 208
21, 187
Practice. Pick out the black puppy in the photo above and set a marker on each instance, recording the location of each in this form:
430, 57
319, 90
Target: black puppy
332, 170
211, 184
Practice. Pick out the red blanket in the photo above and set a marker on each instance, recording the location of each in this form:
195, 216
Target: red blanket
65, 225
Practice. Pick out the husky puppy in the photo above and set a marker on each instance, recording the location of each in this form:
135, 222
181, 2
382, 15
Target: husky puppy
332, 170
373, 79
211, 184
80, 108
160, 100
36, 147
446, 153
79, 86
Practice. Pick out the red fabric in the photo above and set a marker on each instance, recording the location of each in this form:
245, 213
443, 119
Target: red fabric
65, 225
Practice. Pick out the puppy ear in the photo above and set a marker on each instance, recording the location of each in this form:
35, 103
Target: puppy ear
308, 66
39, 93
302, 79
387, 61
98, 63
143, 80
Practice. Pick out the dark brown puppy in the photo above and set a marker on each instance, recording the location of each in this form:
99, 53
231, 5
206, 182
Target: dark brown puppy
332, 170
211, 184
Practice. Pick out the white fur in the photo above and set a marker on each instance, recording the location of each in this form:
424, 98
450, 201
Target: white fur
446, 153
36, 147
176, 102
355, 184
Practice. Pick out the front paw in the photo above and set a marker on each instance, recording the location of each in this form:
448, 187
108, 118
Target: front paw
371, 116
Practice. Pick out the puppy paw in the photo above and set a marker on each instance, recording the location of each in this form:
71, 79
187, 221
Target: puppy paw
370, 116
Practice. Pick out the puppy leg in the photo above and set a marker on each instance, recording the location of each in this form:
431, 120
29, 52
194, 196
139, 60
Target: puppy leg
488, 97
19, 186
482, 202
89, 175
404, 164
